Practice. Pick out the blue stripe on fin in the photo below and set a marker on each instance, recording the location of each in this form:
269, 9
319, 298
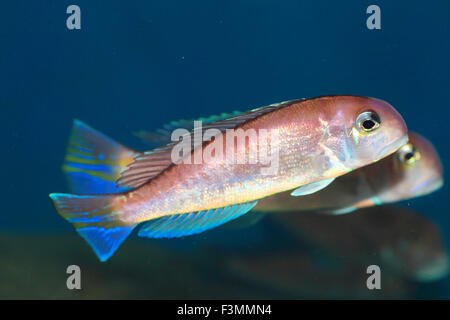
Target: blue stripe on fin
105, 241
194, 222
94, 161
95, 220
83, 182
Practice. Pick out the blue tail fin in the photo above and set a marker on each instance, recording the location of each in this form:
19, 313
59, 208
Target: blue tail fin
93, 161
95, 219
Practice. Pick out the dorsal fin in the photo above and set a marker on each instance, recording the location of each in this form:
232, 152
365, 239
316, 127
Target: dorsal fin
150, 164
162, 135
189, 123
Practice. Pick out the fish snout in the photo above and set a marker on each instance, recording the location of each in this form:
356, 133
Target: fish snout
433, 270
396, 132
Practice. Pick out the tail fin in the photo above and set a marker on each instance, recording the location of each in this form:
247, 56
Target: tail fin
93, 161
96, 219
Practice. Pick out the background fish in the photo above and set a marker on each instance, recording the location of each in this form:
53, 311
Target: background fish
327, 256
321, 138
399, 239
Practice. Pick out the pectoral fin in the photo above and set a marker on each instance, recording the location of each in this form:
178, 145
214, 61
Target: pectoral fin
343, 210
311, 187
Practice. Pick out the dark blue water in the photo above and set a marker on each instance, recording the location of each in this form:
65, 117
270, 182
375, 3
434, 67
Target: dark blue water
139, 64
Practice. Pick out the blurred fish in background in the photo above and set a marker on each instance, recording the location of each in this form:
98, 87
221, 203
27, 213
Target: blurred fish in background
407, 247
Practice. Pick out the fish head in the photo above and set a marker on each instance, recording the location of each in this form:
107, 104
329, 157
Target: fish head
404, 241
414, 246
374, 131
414, 170
433, 265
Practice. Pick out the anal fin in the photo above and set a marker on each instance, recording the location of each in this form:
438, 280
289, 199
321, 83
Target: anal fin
179, 225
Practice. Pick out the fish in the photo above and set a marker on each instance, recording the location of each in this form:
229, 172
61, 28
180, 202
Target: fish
414, 170
325, 256
314, 140
397, 239
295, 275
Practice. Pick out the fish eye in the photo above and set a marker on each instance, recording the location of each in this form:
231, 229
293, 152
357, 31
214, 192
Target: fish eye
368, 121
408, 155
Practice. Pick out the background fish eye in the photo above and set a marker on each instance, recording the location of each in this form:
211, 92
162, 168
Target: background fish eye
368, 121
408, 154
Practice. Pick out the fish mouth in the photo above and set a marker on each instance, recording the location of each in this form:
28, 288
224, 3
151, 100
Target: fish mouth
392, 146
433, 271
